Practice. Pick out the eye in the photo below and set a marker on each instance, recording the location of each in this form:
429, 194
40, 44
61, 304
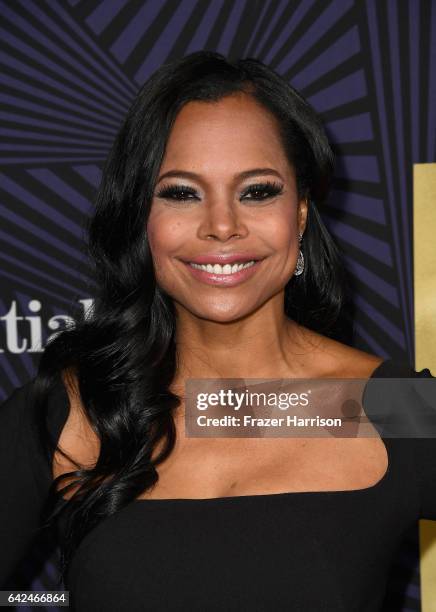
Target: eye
177, 192
257, 191
263, 191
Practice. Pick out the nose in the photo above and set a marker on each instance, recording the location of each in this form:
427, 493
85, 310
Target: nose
222, 221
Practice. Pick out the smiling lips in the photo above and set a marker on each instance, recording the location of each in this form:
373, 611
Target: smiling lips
224, 270
224, 258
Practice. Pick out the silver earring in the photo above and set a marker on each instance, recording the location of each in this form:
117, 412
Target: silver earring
300, 261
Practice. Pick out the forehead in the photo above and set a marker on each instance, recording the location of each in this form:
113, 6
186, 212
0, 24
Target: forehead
231, 133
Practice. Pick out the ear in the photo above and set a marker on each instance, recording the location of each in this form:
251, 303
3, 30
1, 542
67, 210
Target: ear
303, 208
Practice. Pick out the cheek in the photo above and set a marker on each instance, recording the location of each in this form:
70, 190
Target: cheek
166, 236
156, 242
281, 231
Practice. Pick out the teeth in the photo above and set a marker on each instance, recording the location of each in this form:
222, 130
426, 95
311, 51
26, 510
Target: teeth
219, 269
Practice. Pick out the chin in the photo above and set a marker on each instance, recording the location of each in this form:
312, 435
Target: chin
220, 316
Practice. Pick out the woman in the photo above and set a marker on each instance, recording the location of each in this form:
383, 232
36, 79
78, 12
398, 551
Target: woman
219, 163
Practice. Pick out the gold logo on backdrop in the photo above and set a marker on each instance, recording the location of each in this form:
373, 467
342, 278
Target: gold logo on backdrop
424, 254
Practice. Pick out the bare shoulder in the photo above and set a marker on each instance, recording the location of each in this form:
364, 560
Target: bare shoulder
78, 440
354, 363
336, 359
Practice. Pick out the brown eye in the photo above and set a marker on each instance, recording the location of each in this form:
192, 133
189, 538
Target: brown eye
262, 191
177, 192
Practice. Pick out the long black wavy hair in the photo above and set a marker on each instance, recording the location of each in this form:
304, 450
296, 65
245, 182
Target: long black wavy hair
123, 351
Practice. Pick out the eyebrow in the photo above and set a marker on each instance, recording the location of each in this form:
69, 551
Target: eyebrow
241, 175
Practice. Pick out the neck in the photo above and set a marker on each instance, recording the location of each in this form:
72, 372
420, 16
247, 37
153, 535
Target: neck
263, 345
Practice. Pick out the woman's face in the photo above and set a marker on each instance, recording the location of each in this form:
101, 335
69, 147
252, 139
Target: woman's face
225, 187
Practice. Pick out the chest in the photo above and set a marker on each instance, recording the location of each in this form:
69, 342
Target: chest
205, 468
258, 553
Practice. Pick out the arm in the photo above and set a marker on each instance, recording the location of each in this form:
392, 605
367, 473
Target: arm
424, 450
25, 476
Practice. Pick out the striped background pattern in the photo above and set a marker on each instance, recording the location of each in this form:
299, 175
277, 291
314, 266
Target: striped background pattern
70, 69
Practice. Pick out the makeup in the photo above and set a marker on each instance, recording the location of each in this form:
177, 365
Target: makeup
223, 275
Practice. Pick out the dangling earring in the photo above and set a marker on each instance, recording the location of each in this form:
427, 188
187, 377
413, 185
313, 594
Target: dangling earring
300, 261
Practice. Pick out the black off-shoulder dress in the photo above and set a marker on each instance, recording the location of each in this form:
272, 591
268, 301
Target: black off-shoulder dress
298, 551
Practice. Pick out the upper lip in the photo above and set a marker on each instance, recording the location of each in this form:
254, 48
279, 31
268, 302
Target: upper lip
223, 258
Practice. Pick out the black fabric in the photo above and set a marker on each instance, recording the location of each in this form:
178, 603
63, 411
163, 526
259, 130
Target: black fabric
308, 551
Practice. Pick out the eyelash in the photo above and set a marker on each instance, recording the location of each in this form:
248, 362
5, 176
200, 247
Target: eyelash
174, 192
